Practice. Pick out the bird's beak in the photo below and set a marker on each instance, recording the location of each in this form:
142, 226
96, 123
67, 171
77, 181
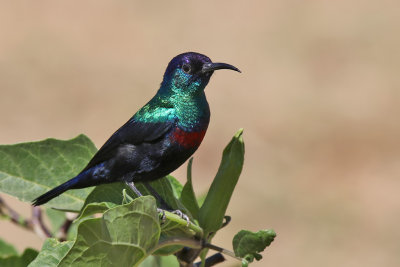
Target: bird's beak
218, 66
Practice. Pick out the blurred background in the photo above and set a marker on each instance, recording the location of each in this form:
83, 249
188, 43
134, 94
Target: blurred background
318, 99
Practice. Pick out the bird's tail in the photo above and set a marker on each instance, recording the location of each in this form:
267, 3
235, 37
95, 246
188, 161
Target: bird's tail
70, 184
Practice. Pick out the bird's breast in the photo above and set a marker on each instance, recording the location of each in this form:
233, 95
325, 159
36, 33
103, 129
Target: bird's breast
187, 139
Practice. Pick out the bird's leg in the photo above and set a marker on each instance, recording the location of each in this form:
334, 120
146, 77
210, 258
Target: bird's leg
154, 193
164, 205
134, 189
182, 215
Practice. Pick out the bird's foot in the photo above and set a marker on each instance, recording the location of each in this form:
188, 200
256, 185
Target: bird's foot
177, 212
183, 216
162, 215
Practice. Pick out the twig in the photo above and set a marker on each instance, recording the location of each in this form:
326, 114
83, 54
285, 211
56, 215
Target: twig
8, 213
63, 231
178, 220
222, 250
34, 224
212, 260
38, 226
187, 255
193, 248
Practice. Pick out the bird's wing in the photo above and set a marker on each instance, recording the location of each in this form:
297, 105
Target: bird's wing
132, 132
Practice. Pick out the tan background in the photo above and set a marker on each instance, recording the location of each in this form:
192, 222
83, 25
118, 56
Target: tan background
318, 99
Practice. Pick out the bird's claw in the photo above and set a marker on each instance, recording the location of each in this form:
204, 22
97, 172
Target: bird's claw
183, 216
177, 212
162, 215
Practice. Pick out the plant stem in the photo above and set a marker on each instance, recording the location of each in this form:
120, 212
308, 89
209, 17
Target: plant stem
222, 250
212, 260
34, 224
175, 218
9, 214
38, 225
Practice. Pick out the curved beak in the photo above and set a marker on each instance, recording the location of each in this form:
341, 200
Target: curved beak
218, 66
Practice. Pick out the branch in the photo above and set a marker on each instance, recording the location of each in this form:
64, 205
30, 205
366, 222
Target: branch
38, 225
177, 219
34, 224
212, 260
222, 250
9, 214
63, 231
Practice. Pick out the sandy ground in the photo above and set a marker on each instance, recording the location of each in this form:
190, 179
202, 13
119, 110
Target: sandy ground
318, 99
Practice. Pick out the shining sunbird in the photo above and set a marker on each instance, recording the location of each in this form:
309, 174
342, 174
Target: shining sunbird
160, 137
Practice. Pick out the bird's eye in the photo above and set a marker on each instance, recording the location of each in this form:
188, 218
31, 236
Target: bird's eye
186, 68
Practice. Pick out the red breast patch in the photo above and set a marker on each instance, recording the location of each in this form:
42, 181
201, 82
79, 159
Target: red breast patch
188, 139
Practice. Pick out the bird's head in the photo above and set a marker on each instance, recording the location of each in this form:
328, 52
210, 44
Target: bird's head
188, 74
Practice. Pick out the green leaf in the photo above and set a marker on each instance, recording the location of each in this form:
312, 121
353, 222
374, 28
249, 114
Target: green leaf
7, 249
52, 253
111, 194
188, 197
107, 196
122, 237
176, 186
213, 210
28, 170
56, 218
157, 261
27, 256
248, 244
168, 250
102, 198
174, 228
165, 188
201, 198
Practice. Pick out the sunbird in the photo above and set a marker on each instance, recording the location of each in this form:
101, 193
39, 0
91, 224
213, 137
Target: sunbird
160, 136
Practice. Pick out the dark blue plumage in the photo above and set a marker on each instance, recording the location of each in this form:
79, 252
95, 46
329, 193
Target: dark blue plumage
160, 137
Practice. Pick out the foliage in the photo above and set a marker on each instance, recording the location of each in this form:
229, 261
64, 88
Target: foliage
52, 253
247, 245
9, 256
114, 227
28, 170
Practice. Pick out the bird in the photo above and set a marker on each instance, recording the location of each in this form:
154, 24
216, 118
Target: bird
160, 136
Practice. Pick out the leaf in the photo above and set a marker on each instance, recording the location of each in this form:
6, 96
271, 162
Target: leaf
111, 194
7, 249
201, 198
165, 188
157, 261
172, 229
23, 260
52, 253
213, 210
56, 218
107, 196
168, 250
28, 170
248, 244
102, 198
176, 227
122, 237
188, 197
176, 186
